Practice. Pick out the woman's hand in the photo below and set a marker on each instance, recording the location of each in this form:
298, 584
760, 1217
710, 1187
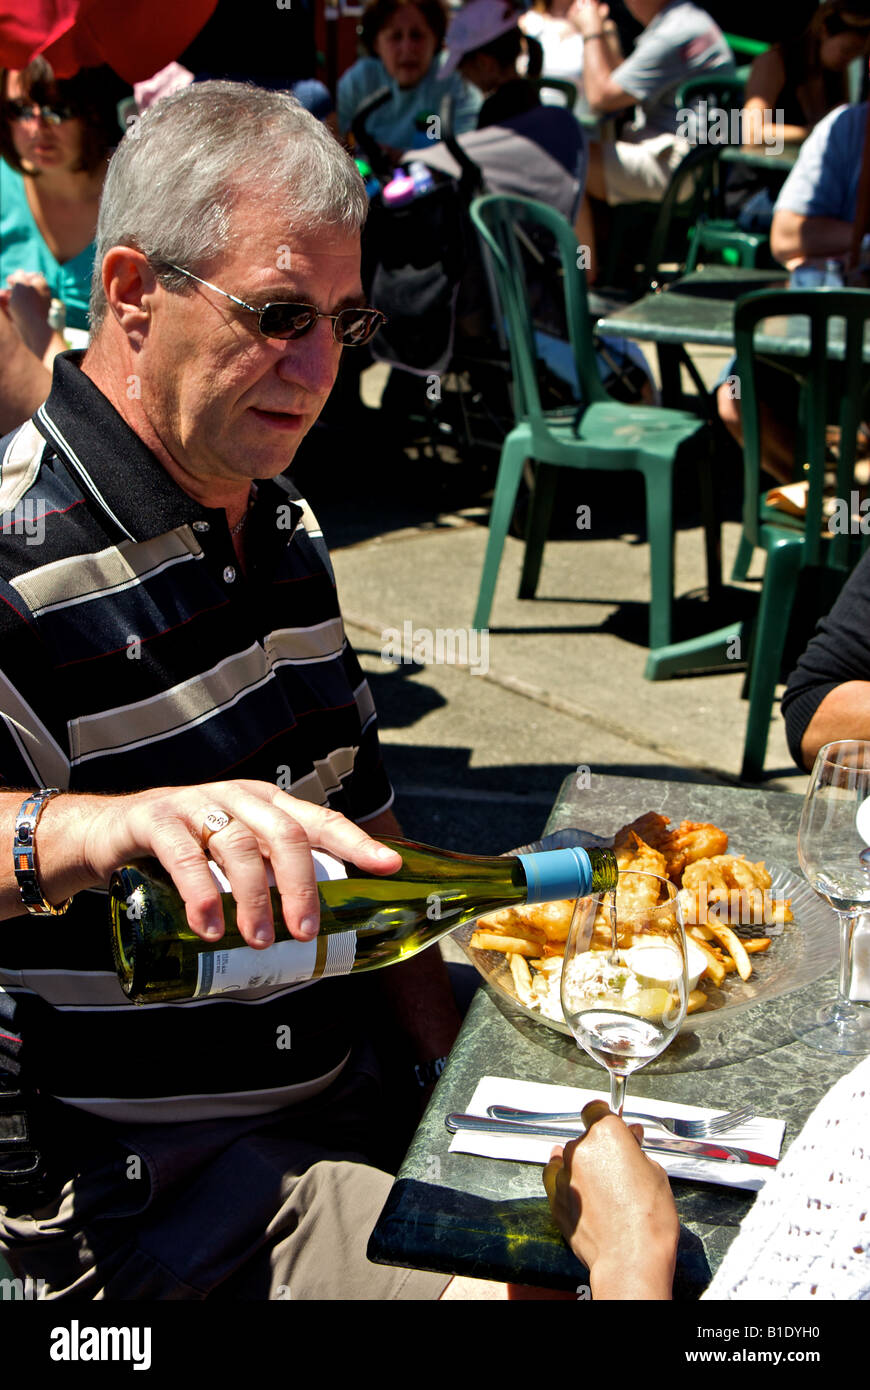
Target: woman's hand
615, 1208
27, 302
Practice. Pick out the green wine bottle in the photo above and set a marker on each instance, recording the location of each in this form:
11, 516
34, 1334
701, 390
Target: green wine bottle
366, 921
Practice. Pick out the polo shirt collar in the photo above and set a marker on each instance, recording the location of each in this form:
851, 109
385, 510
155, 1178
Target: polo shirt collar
114, 467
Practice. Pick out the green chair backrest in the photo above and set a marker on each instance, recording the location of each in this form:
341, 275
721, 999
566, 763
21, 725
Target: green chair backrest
700, 168
832, 392
558, 84
500, 221
745, 48
716, 88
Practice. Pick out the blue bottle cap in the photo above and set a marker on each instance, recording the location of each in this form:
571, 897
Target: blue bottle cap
557, 873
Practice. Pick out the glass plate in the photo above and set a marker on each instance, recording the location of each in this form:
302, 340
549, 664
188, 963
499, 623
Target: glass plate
801, 951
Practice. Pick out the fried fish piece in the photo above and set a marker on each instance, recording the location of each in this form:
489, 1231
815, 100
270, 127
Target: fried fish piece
637, 854
652, 828
691, 840
705, 876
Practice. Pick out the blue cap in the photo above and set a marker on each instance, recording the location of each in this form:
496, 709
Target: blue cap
557, 873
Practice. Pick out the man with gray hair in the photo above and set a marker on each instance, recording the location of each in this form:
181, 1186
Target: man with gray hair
174, 674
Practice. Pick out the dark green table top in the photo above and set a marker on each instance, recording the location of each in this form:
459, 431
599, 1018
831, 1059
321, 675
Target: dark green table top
763, 156
489, 1218
699, 309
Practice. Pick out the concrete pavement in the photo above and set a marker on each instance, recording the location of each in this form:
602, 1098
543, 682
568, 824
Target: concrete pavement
478, 748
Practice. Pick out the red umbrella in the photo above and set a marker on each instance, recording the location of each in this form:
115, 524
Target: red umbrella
135, 39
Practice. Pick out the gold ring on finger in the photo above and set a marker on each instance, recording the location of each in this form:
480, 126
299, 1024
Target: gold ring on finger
212, 822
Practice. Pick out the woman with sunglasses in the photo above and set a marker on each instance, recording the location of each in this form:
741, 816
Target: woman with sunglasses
55, 140
794, 84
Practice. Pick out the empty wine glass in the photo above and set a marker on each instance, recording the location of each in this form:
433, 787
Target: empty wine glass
835, 859
625, 983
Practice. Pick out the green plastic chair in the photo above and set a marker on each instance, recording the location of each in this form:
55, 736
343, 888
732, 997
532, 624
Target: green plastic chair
566, 89
745, 50
832, 393
601, 434
669, 227
713, 231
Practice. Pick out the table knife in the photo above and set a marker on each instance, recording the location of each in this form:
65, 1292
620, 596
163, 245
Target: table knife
694, 1148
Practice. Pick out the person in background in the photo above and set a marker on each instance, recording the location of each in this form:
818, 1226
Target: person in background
404, 41
560, 39
679, 40
521, 146
55, 142
812, 223
790, 88
806, 77
827, 696
805, 1236
484, 44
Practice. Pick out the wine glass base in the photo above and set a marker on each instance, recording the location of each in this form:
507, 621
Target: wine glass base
838, 1028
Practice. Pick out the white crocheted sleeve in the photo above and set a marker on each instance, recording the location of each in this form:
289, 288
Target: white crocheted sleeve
808, 1233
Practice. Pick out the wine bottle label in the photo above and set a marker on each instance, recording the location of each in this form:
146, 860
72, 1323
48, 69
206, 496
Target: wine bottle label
285, 963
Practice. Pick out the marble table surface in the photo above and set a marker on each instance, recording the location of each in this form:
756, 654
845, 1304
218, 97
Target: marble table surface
489, 1218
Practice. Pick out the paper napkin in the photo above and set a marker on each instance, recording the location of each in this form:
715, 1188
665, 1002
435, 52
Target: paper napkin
762, 1135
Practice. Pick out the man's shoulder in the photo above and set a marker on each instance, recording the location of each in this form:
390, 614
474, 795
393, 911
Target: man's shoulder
684, 18
843, 127
21, 454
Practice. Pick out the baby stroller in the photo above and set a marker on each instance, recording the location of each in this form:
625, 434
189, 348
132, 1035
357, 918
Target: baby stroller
423, 265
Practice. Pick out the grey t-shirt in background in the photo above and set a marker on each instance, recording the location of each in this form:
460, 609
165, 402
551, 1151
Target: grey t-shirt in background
681, 41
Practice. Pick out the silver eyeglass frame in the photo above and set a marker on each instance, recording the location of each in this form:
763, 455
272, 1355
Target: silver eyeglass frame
259, 312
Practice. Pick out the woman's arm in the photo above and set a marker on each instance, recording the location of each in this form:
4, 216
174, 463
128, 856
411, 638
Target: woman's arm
26, 382
764, 87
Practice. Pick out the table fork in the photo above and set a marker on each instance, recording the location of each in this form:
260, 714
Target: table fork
705, 1128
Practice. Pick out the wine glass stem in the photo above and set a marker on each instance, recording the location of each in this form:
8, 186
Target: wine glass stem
847, 940
617, 1093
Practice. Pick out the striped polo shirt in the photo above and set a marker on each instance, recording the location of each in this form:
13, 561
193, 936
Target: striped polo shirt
135, 653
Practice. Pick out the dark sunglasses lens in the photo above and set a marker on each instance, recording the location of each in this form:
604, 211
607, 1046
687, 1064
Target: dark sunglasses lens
287, 320
355, 326
25, 111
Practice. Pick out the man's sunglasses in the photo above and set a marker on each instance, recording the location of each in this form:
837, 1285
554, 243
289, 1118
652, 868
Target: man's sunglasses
29, 111
350, 327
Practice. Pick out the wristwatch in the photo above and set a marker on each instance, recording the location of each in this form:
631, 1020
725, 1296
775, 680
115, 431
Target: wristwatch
24, 855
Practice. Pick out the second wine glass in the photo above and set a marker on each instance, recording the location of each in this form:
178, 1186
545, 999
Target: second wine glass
834, 853
625, 985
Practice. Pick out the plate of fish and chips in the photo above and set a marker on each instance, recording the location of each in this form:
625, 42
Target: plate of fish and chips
758, 930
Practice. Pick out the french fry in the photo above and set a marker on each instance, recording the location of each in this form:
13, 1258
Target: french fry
734, 947
491, 941
697, 1000
756, 943
715, 968
522, 977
